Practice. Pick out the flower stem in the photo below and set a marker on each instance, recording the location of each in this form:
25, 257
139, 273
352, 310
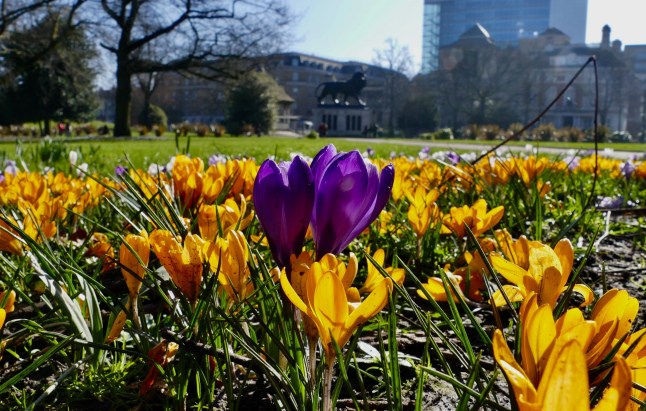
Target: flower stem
327, 385
134, 310
312, 361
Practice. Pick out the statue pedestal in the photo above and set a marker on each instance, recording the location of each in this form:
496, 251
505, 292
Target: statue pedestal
344, 120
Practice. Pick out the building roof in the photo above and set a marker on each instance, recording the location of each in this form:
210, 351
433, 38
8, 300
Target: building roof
553, 31
476, 36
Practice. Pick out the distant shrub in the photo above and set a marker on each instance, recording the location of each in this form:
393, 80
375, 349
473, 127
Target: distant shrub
571, 134
470, 132
515, 128
442, 134
545, 132
159, 130
603, 134
312, 134
218, 130
246, 130
489, 132
153, 115
201, 130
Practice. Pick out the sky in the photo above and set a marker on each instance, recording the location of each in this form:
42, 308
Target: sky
354, 29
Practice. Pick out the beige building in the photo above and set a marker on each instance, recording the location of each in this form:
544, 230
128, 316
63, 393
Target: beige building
523, 80
195, 100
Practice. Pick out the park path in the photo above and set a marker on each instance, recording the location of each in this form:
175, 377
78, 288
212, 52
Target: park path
453, 145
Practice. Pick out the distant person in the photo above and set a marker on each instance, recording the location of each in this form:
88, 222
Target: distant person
322, 129
373, 130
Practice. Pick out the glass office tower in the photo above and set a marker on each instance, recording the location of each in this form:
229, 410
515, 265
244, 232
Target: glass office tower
507, 21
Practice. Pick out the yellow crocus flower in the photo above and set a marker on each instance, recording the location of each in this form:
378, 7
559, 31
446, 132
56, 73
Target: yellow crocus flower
564, 383
9, 241
132, 269
183, 263
374, 277
422, 210
467, 280
476, 217
229, 215
188, 175
231, 256
546, 271
325, 302
557, 351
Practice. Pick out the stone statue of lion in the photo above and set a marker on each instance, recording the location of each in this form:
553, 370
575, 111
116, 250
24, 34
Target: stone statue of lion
348, 89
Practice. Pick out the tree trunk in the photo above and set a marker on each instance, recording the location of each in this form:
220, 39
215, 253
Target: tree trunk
47, 130
123, 101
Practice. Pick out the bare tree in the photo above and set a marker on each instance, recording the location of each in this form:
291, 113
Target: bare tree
11, 11
475, 86
398, 62
208, 38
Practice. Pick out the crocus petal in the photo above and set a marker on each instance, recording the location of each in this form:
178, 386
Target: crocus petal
132, 270
541, 256
117, 325
549, 288
347, 274
616, 305
291, 294
564, 385
582, 332
519, 381
489, 220
617, 395
567, 321
586, 292
349, 196
602, 342
435, 288
540, 336
330, 307
370, 307
512, 273
374, 276
514, 294
565, 253
321, 161
284, 197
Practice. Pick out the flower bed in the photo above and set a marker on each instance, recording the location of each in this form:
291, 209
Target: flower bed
337, 281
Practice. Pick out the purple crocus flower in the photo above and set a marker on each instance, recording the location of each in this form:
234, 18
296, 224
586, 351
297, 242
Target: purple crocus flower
120, 170
627, 169
453, 157
284, 196
350, 194
217, 158
10, 167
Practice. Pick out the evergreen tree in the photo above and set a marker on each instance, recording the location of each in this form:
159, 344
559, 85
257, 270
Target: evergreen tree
250, 105
47, 74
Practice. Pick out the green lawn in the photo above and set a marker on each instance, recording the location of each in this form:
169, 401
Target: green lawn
639, 147
107, 153
144, 152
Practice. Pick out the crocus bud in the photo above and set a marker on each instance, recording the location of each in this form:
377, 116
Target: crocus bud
283, 197
73, 157
350, 194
